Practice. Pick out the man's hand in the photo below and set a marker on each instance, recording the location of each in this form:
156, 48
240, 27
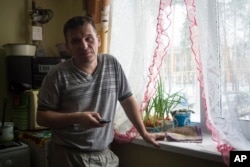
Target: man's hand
152, 138
91, 120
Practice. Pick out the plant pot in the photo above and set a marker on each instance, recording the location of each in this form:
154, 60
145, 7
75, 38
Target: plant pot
154, 129
181, 119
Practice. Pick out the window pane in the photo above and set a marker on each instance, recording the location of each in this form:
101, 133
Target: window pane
179, 67
234, 34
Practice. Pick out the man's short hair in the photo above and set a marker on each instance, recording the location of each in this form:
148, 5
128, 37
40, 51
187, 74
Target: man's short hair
77, 21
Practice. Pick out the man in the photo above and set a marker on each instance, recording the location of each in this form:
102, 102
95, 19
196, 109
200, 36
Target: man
78, 93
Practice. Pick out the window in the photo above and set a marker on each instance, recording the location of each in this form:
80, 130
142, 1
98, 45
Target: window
222, 68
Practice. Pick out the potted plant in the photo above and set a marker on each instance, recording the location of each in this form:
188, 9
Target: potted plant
158, 112
181, 117
173, 100
155, 110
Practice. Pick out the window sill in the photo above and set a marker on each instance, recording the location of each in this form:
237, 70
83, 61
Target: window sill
205, 150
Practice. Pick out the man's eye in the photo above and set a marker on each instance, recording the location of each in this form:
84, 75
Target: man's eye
89, 39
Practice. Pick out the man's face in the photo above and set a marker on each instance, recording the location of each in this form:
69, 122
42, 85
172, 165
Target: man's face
83, 43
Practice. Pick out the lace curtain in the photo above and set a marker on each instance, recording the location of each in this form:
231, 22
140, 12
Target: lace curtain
219, 42
224, 35
133, 45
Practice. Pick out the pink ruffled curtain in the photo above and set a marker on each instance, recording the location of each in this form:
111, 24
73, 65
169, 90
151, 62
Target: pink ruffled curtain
162, 41
162, 44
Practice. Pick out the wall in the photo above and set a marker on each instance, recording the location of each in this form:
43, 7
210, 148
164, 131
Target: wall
16, 28
134, 155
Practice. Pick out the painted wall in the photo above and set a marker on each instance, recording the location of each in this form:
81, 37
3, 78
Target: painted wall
16, 28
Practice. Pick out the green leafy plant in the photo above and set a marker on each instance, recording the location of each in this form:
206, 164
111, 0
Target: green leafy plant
172, 101
160, 106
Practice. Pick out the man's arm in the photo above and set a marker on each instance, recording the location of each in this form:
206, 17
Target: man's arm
131, 109
55, 120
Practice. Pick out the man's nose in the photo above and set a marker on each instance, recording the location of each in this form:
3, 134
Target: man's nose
84, 44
